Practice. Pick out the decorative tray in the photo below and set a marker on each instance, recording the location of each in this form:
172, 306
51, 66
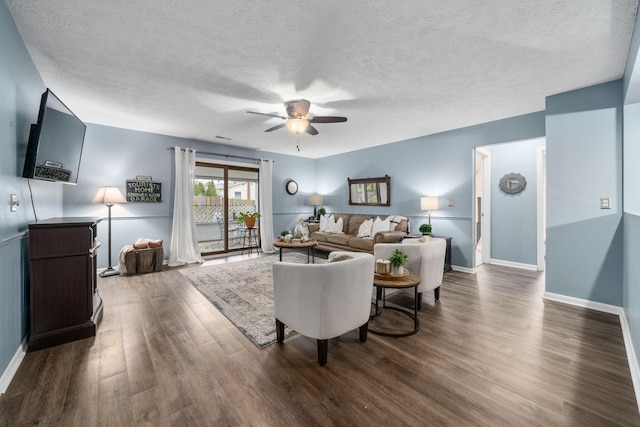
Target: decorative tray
391, 276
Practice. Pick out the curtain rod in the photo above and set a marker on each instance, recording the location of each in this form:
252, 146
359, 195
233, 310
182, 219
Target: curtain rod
220, 154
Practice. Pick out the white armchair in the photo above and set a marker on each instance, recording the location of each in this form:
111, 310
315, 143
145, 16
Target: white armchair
324, 301
424, 258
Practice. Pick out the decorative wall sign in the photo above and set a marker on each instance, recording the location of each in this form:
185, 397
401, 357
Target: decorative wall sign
512, 183
144, 190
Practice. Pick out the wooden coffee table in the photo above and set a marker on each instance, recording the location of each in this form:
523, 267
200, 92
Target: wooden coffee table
388, 281
309, 245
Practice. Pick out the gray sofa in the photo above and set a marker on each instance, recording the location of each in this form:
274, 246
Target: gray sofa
349, 240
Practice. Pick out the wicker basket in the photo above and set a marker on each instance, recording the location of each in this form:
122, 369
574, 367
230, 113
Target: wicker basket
144, 260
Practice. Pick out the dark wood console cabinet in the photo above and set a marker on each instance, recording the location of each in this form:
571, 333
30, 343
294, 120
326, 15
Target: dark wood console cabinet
447, 255
64, 301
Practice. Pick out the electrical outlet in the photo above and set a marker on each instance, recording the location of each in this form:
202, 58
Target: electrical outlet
449, 203
605, 202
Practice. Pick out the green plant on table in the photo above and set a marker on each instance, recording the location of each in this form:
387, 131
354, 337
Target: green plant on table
425, 228
242, 216
284, 233
321, 211
398, 258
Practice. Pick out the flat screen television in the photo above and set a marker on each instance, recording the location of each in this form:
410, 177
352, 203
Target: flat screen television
55, 143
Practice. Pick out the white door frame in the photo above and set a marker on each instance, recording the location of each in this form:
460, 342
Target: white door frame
541, 166
485, 224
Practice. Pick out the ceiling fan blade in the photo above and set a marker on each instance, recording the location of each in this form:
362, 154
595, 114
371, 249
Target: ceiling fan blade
327, 119
311, 130
267, 114
276, 127
302, 108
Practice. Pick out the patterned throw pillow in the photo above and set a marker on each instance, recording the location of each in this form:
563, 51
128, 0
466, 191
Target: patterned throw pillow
339, 258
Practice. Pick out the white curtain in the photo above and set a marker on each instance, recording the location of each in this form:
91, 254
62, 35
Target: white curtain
184, 238
265, 192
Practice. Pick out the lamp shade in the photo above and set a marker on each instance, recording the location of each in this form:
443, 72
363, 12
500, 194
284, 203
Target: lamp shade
429, 203
315, 200
109, 195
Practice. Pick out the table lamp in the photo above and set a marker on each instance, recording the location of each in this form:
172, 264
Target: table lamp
429, 203
315, 200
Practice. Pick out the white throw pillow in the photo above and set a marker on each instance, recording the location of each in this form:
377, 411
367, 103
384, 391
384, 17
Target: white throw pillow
365, 228
336, 227
380, 225
324, 222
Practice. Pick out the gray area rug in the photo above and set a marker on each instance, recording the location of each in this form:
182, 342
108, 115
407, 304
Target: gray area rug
243, 292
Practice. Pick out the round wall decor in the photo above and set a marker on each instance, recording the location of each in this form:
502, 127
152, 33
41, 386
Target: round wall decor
512, 183
291, 186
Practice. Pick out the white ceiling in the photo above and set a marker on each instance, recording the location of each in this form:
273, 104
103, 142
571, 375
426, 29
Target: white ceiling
396, 69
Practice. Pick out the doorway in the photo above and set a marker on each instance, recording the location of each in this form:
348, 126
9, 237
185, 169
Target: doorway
221, 193
494, 239
482, 205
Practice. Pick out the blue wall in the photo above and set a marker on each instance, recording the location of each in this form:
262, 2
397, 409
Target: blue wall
584, 163
631, 177
113, 155
436, 165
514, 216
20, 90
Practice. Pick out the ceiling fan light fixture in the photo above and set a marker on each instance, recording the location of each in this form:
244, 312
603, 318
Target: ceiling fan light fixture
297, 125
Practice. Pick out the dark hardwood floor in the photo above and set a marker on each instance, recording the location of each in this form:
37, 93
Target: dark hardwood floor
490, 352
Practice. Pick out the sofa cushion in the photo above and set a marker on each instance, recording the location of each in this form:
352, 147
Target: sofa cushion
320, 236
339, 239
354, 223
361, 243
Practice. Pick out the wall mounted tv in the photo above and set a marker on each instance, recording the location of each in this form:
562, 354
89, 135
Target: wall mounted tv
55, 143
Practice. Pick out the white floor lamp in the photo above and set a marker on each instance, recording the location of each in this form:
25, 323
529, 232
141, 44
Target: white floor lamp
109, 195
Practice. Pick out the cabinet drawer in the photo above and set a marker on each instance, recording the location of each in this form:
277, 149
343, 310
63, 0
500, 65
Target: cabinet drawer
60, 242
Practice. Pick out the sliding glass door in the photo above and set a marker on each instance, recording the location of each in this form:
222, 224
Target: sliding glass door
221, 192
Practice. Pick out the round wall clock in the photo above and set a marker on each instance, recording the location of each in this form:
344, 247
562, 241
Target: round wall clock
291, 186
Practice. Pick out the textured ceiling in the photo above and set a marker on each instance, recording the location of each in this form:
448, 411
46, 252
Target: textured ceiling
396, 69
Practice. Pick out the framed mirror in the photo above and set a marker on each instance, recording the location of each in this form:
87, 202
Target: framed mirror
370, 191
512, 183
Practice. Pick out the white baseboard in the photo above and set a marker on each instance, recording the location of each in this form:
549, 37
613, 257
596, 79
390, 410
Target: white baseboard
13, 366
463, 269
631, 356
513, 264
579, 302
634, 368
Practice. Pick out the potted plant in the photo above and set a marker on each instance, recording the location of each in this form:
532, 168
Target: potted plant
425, 229
398, 259
320, 211
249, 218
283, 233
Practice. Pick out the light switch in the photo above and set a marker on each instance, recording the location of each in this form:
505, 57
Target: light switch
605, 202
14, 202
449, 203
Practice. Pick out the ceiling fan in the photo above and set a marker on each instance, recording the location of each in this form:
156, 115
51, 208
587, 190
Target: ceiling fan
298, 118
